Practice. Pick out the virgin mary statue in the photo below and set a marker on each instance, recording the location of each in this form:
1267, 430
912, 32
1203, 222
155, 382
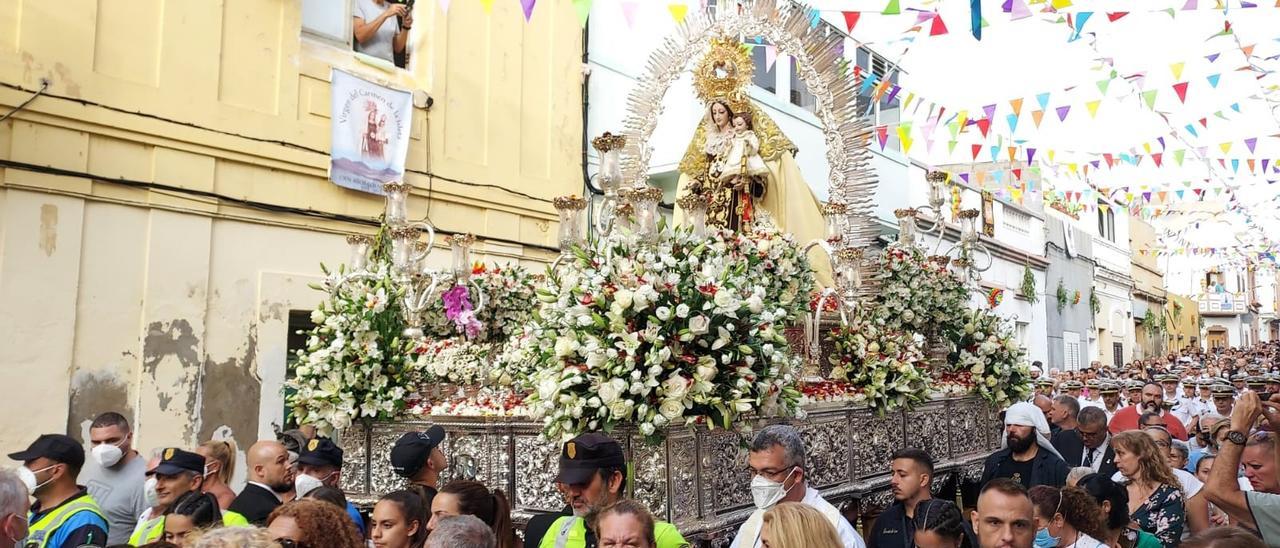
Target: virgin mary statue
739, 161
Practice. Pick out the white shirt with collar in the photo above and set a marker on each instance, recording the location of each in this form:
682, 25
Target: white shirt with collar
848, 537
1098, 454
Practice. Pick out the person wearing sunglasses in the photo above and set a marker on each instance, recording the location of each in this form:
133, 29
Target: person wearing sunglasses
310, 523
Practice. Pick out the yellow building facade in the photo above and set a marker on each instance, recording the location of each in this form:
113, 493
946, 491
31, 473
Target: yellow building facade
1149, 295
1182, 316
164, 202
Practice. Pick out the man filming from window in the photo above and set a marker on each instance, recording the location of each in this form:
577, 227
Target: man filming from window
381, 28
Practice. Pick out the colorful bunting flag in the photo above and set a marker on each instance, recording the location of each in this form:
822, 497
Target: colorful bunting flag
527, 6
892, 8
851, 19
1093, 108
938, 28
1181, 89
1062, 112
678, 11
487, 5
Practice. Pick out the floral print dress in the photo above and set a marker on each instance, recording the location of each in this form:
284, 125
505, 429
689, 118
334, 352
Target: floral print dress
1163, 515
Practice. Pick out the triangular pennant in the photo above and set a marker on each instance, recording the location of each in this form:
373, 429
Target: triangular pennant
1062, 112
1019, 10
1250, 162
583, 8
770, 56
527, 6
1037, 115
984, 125
1178, 155
1081, 19
1181, 89
977, 149
1251, 143
1213, 79
1016, 106
989, 110
1226, 147
678, 11
1013, 123
1102, 86
904, 136
938, 28
1031, 155
1150, 97
487, 5
892, 8
1013, 153
851, 19
1265, 161
882, 133
1093, 108
1043, 99
951, 146
1176, 68
1116, 15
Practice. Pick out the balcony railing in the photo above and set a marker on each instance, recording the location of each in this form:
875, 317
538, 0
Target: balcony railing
1222, 303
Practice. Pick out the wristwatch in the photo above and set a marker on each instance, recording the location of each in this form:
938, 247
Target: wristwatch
1235, 436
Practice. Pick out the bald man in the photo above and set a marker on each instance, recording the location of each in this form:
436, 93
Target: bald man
270, 476
1045, 403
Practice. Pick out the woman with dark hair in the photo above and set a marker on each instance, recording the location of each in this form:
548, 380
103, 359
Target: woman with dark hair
463, 497
399, 520
1113, 501
331, 495
1156, 502
1066, 517
311, 524
193, 511
939, 524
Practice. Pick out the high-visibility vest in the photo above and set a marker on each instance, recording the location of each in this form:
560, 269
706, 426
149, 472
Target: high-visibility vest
234, 519
147, 531
571, 532
44, 528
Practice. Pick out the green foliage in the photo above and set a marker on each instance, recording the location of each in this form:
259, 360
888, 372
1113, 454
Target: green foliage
1028, 289
1062, 295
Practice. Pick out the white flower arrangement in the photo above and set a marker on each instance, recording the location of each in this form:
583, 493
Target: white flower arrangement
987, 357
680, 330
917, 293
454, 360
882, 362
355, 364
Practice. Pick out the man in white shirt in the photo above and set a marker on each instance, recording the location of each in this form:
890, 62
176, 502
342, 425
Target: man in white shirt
777, 456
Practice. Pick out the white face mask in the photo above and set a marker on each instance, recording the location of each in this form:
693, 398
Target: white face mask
28, 478
25, 529
304, 484
107, 454
766, 493
149, 493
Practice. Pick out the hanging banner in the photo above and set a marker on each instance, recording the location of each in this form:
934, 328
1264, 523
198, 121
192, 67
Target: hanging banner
370, 133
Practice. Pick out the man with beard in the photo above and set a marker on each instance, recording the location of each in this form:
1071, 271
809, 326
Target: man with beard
911, 477
1028, 457
592, 475
1152, 402
270, 475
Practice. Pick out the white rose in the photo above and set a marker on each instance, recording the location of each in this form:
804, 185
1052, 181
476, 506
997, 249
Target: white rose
565, 346
610, 391
663, 313
623, 297
675, 387
671, 409
682, 311
647, 429
699, 325
706, 369
547, 389
621, 409
755, 304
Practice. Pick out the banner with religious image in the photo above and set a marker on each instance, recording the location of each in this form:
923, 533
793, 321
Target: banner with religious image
370, 133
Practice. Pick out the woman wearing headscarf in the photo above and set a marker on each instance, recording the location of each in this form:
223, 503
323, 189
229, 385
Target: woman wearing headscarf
1026, 455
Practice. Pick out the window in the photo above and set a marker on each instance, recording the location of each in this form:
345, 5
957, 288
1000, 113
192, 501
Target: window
1117, 354
877, 66
1071, 350
299, 325
800, 95
764, 76
1106, 221
1022, 330
332, 21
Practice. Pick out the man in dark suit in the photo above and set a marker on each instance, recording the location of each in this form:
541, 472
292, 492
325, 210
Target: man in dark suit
1089, 444
270, 476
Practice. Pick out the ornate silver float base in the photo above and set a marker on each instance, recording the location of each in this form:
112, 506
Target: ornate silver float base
696, 478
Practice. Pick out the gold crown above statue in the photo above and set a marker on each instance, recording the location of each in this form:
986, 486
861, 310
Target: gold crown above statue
724, 73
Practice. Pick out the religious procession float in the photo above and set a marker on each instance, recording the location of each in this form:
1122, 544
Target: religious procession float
678, 338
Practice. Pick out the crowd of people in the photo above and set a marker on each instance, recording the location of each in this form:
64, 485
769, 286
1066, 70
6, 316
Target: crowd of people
1177, 451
